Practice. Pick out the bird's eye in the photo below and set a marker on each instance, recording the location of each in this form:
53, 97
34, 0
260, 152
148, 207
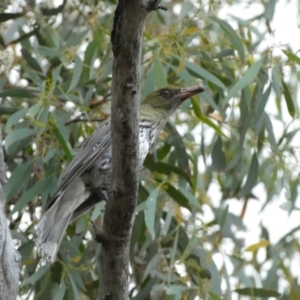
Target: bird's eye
166, 93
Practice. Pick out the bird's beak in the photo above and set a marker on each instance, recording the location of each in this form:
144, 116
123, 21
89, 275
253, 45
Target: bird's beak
188, 92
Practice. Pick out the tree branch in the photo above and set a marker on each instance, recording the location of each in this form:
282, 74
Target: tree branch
126, 40
9, 257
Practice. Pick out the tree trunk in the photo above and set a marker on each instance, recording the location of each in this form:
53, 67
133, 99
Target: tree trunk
9, 257
126, 40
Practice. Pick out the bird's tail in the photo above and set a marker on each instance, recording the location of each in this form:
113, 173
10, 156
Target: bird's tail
51, 229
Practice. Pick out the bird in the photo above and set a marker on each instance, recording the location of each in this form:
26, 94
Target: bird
86, 181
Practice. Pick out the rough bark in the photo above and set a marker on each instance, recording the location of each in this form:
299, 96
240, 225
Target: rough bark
9, 257
119, 212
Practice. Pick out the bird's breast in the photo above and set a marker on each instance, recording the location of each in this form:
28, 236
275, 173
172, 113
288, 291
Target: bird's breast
146, 139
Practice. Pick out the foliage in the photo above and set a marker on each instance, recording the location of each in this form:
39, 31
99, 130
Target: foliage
55, 90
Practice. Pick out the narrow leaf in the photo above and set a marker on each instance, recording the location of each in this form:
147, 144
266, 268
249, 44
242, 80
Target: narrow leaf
18, 93
36, 275
4, 110
204, 74
271, 135
17, 135
214, 296
60, 292
206, 120
15, 118
219, 162
252, 176
150, 212
59, 132
31, 61
49, 52
292, 56
191, 198
76, 73
256, 246
177, 196
165, 168
244, 81
74, 288
13, 184
74, 39
233, 37
37, 189
175, 289
258, 292
159, 74
180, 148
288, 100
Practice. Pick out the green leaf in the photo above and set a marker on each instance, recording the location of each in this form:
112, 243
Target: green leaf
258, 292
269, 128
49, 52
42, 119
17, 135
32, 62
152, 264
164, 151
191, 198
252, 176
205, 119
26, 197
76, 38
55, 74
218, 157
204, 74
177, 195
4, 110
165, 168
36, 275
89, 56
15, 118
224, 53
292, 56
246, 79
74, 288
60, 133
159, 74
146, 289
224, 216
25, 250
175, 289
214, 296
232, 36
288, 99
76, 73
13, 184
258, 245
276, 80
60, 292
180, 148
150, 211
261, 107
18, 93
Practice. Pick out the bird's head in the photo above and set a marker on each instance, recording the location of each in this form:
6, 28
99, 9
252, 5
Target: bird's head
168, 99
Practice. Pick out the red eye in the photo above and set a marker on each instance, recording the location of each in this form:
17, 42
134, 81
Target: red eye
165, 93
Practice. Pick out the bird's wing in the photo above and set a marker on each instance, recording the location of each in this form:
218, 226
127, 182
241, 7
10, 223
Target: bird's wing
90, 151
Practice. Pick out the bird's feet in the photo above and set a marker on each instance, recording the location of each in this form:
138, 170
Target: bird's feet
113, 191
